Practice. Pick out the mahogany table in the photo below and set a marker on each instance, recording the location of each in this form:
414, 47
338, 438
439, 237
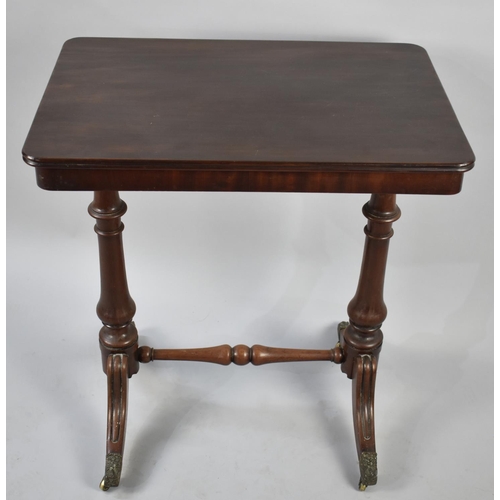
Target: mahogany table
207, 115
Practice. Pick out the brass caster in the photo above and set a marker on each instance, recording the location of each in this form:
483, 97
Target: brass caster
103, 485
362, 487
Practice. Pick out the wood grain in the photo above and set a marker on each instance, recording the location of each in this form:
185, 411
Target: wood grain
230, 115
240, 354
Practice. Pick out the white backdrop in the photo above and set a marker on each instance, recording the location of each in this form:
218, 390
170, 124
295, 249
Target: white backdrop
274, 269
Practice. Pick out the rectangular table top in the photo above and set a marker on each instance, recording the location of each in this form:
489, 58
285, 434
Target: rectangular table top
152, 114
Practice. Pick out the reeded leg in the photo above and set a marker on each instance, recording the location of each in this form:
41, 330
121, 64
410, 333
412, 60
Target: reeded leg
117, 371
361, 338
118, 338
363, 394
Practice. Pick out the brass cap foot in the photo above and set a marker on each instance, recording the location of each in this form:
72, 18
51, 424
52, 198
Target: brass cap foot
113, 471
368, 469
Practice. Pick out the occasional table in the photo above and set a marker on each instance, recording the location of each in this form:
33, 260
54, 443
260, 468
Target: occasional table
211, 115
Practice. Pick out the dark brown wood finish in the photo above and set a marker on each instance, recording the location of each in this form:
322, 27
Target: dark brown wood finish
211, 115
254, 181
117, 371
124, 114
361, 340
363, 411
116, 307
241, 354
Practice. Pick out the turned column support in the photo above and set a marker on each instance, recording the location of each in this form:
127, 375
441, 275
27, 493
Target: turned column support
361, 338
115, 308
367, 310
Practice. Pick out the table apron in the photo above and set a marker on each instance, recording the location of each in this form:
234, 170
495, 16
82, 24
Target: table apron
135, 179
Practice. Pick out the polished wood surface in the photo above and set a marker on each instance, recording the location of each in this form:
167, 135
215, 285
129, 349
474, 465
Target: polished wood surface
205, 115
284, 182
150, 114
361, 340
117, 371
115, 308
241, 354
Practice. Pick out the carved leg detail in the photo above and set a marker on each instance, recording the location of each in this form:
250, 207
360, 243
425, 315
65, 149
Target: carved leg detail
363, 394
118, 336
361, 339
117, 371
116, 307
